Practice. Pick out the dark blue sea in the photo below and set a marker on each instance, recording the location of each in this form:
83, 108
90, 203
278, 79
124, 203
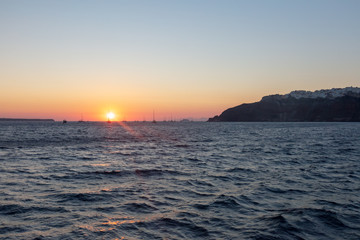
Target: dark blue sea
179, 180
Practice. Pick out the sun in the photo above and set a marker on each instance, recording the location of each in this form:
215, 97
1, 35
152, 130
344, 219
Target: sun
110, 115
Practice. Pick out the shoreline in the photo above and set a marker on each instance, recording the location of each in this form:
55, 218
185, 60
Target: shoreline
27, 119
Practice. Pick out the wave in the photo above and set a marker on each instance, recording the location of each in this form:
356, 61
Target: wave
82, 197
240, 170
10, 229
276, 227
138, 207
284, 191
115, 173
183, 228
222, 201
298, 223
157, 172
176, 181
14, 209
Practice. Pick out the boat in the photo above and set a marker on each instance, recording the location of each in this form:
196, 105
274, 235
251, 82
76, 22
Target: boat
153, 121
64, 121
81, 120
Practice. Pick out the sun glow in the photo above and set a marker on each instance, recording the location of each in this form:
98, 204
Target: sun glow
110, 115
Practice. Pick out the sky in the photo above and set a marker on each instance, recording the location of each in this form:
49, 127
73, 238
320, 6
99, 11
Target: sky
64, 59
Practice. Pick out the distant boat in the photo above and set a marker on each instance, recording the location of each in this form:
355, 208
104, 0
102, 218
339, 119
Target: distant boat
81, 120
64, 121
153, 117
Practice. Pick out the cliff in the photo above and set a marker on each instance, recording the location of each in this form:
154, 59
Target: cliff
332, 105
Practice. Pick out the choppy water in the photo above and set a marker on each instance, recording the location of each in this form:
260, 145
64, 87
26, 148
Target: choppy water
179, 180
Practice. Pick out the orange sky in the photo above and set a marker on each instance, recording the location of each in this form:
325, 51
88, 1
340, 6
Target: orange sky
94, 104
61, 59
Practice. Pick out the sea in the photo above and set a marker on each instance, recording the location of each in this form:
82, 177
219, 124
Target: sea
173, 180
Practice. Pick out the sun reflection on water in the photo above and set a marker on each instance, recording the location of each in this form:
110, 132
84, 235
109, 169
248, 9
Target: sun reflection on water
100, 164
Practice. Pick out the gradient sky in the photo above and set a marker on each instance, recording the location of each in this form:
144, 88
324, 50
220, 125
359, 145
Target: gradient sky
195, 58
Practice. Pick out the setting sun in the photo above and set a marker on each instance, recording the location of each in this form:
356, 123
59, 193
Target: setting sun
110, 115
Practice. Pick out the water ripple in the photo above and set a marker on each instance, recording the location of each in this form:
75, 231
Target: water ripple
180, 181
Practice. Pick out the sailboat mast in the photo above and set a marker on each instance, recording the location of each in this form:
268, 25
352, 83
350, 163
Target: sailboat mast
154, 117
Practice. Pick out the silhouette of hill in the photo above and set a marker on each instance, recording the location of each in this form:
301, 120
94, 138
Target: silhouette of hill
332, 105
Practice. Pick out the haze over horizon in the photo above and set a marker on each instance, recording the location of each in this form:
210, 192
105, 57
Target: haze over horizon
185, 59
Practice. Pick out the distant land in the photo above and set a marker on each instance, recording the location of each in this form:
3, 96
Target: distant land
26, 119
330, 105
